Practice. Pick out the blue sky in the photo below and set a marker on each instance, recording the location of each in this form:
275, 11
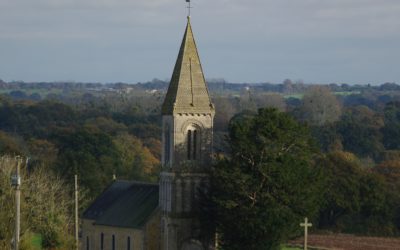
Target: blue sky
316, 41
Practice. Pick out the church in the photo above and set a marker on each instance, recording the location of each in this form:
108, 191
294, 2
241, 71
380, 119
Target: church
131, 215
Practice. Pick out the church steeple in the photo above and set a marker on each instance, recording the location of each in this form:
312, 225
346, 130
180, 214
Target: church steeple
187, 92
187, 135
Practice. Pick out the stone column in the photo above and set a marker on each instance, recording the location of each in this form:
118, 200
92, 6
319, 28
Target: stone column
187, 202
178, 188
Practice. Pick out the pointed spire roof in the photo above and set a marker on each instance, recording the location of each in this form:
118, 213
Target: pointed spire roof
187, 91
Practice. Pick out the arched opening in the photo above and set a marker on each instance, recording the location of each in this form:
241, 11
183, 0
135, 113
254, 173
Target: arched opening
192, 143
189, 144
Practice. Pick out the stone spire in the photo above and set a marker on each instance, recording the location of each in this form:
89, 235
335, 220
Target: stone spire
187, 135
187, 92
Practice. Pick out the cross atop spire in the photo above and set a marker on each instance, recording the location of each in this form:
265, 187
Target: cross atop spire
189, 6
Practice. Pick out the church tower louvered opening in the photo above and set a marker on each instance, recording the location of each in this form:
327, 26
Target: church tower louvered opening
187, 121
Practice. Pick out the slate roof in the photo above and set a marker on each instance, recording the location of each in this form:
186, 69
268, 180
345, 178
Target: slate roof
187, 91
125, 204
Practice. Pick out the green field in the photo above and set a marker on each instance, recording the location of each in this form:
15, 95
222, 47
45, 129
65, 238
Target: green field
345, 93
342, 93
297, 96
37, 241
290, 248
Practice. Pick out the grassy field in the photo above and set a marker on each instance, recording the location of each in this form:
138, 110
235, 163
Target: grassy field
290, 248
343, 93
348, 241
37, 241
297, 96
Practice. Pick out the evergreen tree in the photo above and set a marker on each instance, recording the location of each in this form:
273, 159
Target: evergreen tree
268, 184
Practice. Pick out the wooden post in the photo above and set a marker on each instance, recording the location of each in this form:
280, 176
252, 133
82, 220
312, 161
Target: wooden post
16, 182
216, 240
76, 214
305, 225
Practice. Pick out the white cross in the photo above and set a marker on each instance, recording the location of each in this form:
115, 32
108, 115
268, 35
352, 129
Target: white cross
306, 225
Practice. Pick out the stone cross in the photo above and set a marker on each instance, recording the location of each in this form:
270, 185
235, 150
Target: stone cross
306, 225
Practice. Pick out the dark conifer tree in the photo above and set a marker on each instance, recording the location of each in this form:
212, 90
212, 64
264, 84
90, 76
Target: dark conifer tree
268, 183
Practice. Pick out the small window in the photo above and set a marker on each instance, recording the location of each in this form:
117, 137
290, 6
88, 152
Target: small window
113, 243
189, 146
128, 243
102, 241
194, 144
192, 138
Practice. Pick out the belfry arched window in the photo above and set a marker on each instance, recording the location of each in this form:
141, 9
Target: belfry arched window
192, 144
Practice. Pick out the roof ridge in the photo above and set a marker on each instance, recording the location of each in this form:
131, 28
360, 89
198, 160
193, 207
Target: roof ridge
137, 182
131, 209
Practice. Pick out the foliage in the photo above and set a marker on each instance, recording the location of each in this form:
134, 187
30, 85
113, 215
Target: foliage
342, 196
81, 139
320, 106
270, 100
269, 179
10, 144
91, 155
360, 129
225, 110
356, 201
102, 129
27, 243
390, 171
391, 130
328, 137
42, 152
46, 206
137, 162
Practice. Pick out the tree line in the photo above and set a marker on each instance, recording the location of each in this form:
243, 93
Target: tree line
347, 138
274, 174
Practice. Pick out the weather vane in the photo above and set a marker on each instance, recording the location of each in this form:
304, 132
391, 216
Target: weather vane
189, 6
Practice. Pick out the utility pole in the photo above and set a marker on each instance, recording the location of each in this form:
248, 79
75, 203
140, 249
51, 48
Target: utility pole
16, 183
76, 214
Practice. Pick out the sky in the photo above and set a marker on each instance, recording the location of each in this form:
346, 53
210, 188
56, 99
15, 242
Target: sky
314, 41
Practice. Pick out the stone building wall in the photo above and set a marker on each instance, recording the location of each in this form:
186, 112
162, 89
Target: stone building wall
152, 237
175, 134
92, 233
